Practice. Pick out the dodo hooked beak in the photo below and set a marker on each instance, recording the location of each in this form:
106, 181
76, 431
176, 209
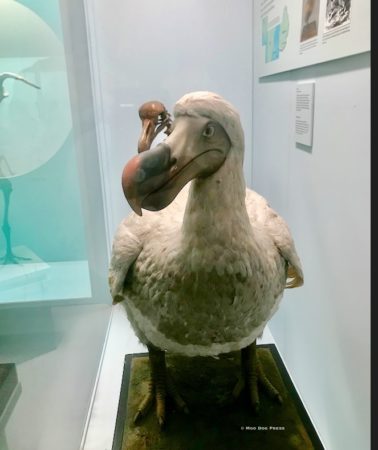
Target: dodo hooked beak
152, 179
143, 173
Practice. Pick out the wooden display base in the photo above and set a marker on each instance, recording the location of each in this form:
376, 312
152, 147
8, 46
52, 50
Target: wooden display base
214, 421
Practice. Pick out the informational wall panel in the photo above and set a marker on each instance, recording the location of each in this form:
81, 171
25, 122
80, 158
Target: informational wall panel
304, 113
300, 33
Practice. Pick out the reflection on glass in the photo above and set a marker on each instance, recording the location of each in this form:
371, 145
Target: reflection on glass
52, 326
12, 76
44, 256
5, 184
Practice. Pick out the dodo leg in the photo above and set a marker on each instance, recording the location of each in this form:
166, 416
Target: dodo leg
255, 375
160, 385
156, 387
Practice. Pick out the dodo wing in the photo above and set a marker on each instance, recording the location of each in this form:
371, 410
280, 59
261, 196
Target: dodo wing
262, 215
125, 250
284, 242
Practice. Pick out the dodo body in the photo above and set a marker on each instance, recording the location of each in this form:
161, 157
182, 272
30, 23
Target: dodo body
205, 273
203, 268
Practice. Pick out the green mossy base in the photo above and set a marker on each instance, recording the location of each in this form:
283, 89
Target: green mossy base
215, 421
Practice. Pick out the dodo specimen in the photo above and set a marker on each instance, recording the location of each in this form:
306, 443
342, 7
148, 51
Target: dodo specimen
202, 271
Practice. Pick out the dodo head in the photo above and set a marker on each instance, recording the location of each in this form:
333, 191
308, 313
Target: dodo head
205, 132
154, 119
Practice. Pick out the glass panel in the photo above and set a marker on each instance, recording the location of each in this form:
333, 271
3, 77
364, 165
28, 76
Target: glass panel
43, 241
54, 305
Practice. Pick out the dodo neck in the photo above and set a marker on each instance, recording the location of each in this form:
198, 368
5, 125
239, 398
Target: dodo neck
216, 204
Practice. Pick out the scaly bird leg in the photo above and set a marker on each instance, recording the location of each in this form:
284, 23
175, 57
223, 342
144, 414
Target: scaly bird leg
254, 376
9, 257
160, 386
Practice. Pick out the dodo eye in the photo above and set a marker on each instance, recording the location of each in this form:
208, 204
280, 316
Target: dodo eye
209, 131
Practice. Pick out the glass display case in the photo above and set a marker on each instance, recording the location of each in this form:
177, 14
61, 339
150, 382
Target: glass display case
72, 78
54, 301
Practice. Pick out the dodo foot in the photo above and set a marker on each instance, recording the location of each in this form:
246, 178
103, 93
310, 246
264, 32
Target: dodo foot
159, 388
254, 376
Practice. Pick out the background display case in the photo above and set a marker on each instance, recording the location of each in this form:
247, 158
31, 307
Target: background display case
54, 303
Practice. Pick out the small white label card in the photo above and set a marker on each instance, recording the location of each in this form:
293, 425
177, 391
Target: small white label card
304, 112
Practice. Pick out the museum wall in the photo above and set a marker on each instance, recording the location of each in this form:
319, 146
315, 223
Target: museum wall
150, 50
322, 329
